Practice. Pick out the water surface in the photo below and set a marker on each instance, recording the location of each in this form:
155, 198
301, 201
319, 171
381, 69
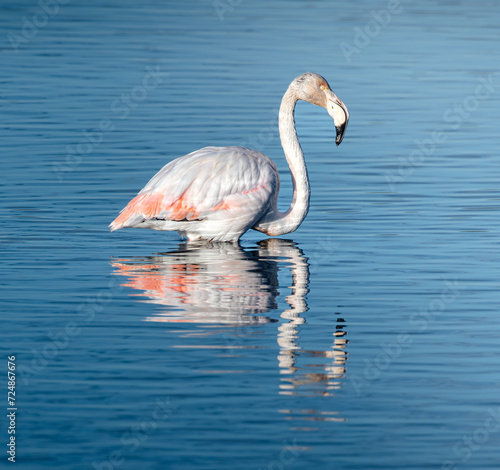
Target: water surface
367, 339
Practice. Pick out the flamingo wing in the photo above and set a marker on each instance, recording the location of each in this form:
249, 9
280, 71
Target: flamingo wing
199, 185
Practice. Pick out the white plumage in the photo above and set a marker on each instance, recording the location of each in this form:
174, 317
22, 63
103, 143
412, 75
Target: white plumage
218, 193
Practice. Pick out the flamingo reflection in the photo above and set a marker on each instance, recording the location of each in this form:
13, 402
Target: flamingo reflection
223, 284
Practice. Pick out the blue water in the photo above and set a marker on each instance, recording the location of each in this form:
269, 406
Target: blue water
367, 339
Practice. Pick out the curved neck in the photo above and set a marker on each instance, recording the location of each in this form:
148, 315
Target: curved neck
278, 223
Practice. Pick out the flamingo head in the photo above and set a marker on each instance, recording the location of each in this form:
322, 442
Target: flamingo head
314, 89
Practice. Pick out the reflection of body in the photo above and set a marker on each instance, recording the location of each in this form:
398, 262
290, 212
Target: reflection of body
219, 283
224, 284
218, 193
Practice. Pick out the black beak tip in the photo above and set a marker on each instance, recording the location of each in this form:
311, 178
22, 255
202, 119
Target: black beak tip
340, 134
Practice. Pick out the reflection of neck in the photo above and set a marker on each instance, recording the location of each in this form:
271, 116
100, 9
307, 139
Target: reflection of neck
300, 287
288, 331
278, 223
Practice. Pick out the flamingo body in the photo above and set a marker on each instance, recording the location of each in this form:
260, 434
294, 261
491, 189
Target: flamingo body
218, 193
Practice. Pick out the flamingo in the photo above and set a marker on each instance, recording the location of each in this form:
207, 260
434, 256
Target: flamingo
218, 193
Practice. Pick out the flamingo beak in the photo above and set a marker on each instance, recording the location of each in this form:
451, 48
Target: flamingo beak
338, 111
